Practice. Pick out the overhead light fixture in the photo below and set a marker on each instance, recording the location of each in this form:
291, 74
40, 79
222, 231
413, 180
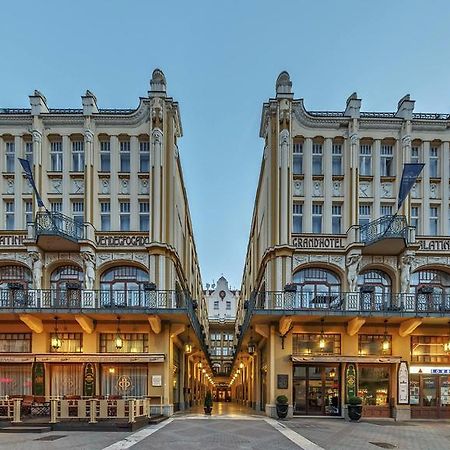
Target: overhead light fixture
333, 373
322, 341
386, 344
188, 345
241, 365
447, 344
203, 370
251, 346
118, 341
56, 340
200, 365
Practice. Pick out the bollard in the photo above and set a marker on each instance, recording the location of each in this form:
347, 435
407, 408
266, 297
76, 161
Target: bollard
16, 411
131, 404
93, 414
53, 410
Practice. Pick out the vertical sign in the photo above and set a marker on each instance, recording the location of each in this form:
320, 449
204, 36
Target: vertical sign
38, 378
403, 383
89, 380
350, 381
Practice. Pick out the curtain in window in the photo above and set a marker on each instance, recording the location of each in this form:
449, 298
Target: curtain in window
15, 379
66, 379
124, 380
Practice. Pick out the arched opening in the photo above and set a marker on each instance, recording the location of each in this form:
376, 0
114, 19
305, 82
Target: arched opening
432, 289
66, 282
123, 286
15, 280
375, 287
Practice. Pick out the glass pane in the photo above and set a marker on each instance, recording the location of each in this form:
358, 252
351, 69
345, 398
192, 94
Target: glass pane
331, 391
300, 396
414, 390
429, 392
445, 394
374, 385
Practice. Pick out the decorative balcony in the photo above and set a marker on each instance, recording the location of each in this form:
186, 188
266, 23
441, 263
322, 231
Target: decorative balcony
353, 303
387, 235
55, 231
94, 301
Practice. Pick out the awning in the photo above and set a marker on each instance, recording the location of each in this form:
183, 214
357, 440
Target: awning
84, 358
344, 359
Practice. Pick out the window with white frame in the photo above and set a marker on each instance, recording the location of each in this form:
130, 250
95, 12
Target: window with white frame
105, 216
9, 215
28, 212
78, 211
216, 304
10, 150
415, 218
56, 156
56, 206
434, 220
124, 216
317, 218
125, 156
336, 218
317, 154
434, 162
365, 160
77, 156
387, 161
29, 152
365, 214
144, 216
415, 154
144, 156
105, 156
297, 218
297, 166
386, 210
336, 151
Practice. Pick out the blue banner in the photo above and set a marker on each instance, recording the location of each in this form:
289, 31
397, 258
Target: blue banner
29, 175
410, 173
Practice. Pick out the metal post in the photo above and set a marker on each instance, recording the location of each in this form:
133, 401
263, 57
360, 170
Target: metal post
53, 410
16, 412
131, 416
93, 412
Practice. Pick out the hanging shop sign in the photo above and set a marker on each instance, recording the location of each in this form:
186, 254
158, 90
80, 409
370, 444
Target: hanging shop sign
89, 380
403, 383
350, 382
38, 375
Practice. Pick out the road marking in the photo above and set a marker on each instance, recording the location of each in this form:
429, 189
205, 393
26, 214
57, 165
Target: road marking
293, 436
134, 438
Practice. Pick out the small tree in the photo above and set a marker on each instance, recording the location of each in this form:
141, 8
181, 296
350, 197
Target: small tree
208, 400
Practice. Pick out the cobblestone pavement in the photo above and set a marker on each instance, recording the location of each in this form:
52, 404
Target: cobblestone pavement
338, 434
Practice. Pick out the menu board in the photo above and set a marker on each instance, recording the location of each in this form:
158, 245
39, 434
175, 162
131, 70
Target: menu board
403, 383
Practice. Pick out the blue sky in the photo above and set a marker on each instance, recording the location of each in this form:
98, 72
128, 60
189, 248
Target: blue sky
221, 59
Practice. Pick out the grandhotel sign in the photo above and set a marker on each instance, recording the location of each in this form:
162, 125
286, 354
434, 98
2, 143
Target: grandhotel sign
319, 242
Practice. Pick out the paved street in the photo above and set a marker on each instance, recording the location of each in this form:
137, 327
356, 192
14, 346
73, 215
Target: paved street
236, 427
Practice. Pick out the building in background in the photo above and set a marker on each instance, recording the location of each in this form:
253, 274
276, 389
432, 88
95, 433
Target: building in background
342, 295
222, 302
100, 292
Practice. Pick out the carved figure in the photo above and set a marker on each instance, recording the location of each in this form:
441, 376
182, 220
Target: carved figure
89, 270
37, 269
405, 276
352, 264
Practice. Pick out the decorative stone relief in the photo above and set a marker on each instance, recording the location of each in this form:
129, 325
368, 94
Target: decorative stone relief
144, 186
391, 261
415, 190
298, 260
103, 257
124, 186
9, 185
337, 260
317, 189
37, 269
386, 190
365, 189
78, 186
105, 186
89, 270
352, 263
337, 188
139, 256
405, 272
23, 257
434, 190
56, 185
27, 188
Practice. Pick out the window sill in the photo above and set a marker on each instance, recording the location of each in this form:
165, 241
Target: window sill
54, 174
385, 179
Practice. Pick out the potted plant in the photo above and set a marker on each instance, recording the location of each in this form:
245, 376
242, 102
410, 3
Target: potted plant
355, 408
208, 403
282, 406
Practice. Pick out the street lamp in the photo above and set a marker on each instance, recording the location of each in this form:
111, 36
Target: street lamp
188, 345
56, 340
251, 346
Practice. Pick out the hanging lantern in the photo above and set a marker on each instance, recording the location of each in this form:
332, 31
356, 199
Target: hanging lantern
188, 345
386, 344
251, 346
333, 373
118, 341
447, 344
56, 340
322, 341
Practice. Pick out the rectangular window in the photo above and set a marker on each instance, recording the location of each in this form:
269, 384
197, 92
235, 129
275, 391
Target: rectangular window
297, 218
132, 343
434, 162
365, 160
28, 212
415, 156
228, 306
144, 156
70, 343
78, 156
317, 218
297, 166
216, 304
372, 344
365, 214
56, 206
429, 349
125, 156
434, 220
124, 216
29, 152
386, 210
336, 218
10, 156
105, 216
317, 159
373, 384
56, 156
78, 211
337, 159
144, 216
105, 156
15, 342
387, 161
9, 215
415, 218
310, 344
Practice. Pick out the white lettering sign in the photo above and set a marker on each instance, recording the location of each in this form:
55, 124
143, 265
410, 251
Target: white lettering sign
403, 383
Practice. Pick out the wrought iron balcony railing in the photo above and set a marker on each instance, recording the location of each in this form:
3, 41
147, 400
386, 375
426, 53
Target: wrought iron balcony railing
383, 228
57, 224
354, 302
78, 299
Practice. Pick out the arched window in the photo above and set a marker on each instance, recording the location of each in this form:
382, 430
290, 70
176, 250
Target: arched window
66, 283
374, 281
430, 282
14, 276
123, 286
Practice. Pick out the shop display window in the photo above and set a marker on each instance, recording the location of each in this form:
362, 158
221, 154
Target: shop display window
15, 342
132, 343
373, 384
316, 344
429, 349
372, 344
70, 343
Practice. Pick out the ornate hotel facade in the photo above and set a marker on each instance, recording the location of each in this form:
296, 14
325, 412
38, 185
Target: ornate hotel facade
100, 293
341, 295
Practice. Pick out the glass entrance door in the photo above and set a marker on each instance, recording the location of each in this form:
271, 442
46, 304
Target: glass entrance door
430, 396
316, 390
